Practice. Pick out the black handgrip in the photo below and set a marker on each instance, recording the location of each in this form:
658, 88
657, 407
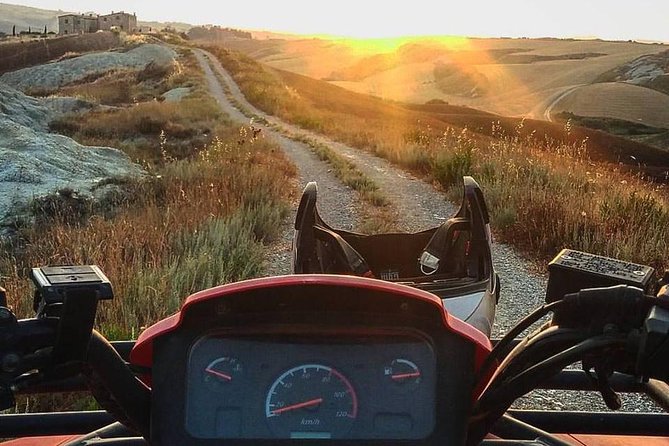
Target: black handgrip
130, 399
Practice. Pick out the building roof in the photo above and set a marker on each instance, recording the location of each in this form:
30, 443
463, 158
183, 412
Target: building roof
116, 13
83, 16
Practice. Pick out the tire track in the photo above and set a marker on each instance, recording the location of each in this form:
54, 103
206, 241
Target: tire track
338, 203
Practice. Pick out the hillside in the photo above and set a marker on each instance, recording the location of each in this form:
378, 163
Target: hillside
25, 16
618, 100
509, 77
601, 146
548, 185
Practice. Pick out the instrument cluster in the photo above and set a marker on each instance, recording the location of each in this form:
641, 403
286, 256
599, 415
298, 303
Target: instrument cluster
311, 387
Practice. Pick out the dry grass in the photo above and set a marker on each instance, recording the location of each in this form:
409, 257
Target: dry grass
545, 200
114, 88
196, 220
213, 198
125, 87
194, 224
544, 193
141, 122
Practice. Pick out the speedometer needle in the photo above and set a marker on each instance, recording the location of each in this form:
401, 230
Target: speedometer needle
309, 403
405, 375
219, 374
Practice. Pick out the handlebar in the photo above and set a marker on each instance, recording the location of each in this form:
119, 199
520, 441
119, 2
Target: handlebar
615, 329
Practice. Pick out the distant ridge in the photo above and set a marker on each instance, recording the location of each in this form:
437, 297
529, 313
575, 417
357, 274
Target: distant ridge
25, 16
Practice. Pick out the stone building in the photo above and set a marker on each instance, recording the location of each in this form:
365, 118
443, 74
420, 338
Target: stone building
121, 20
90, 23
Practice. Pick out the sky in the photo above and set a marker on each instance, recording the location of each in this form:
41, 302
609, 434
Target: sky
611, 20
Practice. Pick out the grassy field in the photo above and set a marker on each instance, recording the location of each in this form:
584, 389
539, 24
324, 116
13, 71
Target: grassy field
213, 198
657, 137
510, 77
618, 100
544, 193
140, 121
365, 121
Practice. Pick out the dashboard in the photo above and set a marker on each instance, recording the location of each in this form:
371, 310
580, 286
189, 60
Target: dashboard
310, 359
311, 387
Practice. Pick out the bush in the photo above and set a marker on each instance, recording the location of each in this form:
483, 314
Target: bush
65, 206
449, 166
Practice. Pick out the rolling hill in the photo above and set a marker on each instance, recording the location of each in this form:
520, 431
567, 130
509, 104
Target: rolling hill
24, 17
509, 77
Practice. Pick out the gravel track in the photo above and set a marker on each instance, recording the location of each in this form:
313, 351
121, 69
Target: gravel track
417, 205
338, 204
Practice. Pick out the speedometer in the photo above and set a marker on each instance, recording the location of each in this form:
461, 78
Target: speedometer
311, 401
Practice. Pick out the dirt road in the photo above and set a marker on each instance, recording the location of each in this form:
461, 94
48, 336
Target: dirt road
417, 204
338, 203
544, 110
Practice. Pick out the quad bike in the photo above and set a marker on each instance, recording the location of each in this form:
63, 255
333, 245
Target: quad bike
339, 359
452, 261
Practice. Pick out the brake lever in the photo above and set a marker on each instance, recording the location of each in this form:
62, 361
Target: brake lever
601, 378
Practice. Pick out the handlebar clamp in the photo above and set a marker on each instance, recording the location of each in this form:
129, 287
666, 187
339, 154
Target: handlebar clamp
70, 293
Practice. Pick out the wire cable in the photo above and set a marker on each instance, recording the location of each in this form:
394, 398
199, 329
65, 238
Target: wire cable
501, 349
525, 381
501, 393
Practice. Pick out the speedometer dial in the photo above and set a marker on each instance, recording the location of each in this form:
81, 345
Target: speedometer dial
311, 401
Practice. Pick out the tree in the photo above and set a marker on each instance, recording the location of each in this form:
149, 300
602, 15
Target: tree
29, 30
45, 30
14, 31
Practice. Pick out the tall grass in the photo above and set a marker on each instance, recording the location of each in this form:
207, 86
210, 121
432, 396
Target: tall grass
544, 194
198, 223
213, 196
212, 199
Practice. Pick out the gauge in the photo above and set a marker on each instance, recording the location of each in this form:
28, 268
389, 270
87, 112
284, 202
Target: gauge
402, 373
222, 372
311, 401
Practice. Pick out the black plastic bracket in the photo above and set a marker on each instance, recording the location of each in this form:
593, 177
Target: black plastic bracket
70, 293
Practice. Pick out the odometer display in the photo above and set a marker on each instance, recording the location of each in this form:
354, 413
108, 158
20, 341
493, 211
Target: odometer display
311, 401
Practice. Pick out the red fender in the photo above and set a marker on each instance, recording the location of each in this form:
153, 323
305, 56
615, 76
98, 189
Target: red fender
41, 441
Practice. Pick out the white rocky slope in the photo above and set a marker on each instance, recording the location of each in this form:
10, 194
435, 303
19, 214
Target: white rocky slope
35, 163
57, 74
644, 69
